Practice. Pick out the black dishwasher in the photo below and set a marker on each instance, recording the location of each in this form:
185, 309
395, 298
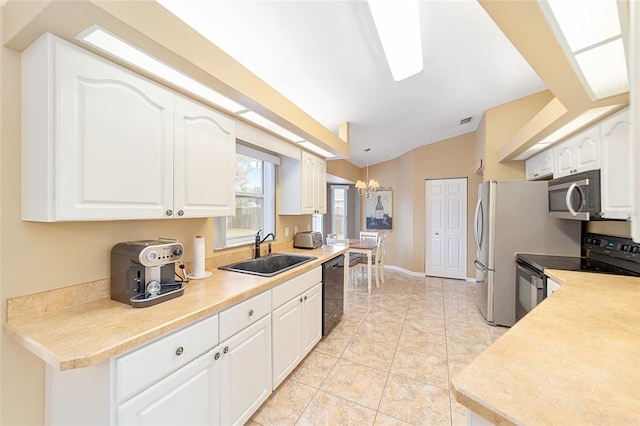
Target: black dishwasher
332, 293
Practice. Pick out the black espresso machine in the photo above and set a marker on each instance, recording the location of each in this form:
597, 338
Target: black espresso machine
143, 273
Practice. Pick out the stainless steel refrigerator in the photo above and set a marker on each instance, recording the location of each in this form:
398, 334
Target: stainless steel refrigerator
511, 217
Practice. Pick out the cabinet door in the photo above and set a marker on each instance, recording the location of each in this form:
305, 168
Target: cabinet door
204, 164
312, 318
565, 154
616, 166
540, 165
114, 141
587, 148
530, 168
287, 338
545, 163
321, 186
245, 372
308, 183
189, 396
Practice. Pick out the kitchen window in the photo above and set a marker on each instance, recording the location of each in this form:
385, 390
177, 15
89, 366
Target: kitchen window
255, 200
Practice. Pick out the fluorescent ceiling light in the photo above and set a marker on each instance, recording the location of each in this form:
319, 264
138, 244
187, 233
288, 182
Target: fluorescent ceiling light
270, 125
585, 23
590, 33
315, 148
605, 69
113, 45
398, 26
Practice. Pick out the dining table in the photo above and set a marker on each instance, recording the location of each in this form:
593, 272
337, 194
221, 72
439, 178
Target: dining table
364, 246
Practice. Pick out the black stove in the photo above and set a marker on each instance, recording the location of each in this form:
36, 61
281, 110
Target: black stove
603, 254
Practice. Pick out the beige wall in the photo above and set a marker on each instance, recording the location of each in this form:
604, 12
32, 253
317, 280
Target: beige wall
344, 169
498, 125
406, 176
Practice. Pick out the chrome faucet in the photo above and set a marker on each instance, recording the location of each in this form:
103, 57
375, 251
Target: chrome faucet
258, 242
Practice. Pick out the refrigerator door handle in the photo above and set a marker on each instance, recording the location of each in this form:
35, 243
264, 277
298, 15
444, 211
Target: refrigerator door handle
477, 229
479, 266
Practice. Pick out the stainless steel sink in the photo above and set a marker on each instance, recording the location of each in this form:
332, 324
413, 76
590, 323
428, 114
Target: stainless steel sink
268, 266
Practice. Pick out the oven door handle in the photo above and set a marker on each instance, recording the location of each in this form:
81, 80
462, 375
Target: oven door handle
536, 276
567, 198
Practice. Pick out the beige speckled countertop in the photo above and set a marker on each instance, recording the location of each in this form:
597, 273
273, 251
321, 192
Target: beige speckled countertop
573, 360
71, 336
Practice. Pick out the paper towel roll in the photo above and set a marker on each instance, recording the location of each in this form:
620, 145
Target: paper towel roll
198, 257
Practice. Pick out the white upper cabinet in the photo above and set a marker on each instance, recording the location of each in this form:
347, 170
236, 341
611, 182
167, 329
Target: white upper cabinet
616, 166
103, 143
578, 153
204, 162
540, 165
303, 185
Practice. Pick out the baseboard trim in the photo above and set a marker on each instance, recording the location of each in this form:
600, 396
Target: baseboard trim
420, 274
404, 271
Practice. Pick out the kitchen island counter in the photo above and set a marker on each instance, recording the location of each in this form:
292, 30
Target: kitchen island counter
72, 328
574, 359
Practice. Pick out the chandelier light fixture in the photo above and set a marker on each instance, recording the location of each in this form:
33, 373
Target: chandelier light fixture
372, 185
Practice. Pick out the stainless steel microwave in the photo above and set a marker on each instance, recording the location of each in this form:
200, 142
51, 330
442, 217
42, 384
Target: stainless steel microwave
576, 196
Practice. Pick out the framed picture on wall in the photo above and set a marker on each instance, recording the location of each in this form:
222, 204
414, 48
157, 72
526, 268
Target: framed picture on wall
378, 209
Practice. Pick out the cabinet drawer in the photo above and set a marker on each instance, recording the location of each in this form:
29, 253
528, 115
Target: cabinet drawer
295, 286
244, 314
138, 369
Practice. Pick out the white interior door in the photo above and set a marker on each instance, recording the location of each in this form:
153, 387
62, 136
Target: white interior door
446, 228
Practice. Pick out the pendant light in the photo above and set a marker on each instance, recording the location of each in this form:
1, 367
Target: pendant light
366, 189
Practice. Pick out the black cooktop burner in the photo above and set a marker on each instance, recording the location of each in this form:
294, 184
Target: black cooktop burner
568, 263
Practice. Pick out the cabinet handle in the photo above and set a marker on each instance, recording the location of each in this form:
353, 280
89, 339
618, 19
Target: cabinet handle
305, 298
217, 356
169, 213
180, 212
179, 351
226, 349
251, 313
301, 300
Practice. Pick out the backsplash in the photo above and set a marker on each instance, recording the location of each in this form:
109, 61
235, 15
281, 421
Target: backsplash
618, 228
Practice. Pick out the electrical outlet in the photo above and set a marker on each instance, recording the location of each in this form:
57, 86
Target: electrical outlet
286, 231
295, 230
308, 227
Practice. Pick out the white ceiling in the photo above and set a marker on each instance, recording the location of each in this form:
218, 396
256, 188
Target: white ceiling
326, 58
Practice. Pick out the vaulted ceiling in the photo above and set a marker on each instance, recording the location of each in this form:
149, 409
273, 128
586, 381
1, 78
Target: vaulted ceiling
326, 58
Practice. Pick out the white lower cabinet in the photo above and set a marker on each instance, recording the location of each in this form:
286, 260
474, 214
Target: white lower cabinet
216, 371
312, 318
245, 372
297, 322
225, 386
190, 396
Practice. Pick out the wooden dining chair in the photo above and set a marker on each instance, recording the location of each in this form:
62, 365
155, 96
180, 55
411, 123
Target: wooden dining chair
333, 239
377, 262
368, 235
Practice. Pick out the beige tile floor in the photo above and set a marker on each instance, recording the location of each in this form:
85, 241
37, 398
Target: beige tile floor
390, 359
